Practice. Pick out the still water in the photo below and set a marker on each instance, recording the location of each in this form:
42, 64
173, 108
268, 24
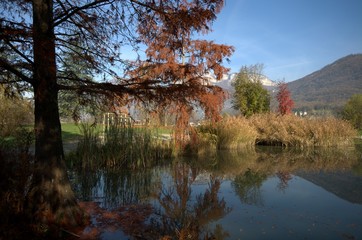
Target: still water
263, 193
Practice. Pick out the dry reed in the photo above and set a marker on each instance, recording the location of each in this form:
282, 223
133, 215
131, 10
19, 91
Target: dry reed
293, 131
229, 133
274, 130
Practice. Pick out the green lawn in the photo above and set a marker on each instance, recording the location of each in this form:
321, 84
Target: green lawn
70, 132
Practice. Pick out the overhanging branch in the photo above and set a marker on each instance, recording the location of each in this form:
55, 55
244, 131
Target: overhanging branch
19, 52
7, 66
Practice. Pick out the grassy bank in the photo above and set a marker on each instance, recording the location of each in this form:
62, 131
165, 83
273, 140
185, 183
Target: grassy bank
70, 132
135, 147
272, 129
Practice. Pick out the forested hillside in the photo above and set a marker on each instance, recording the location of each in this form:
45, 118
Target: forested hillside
330, 87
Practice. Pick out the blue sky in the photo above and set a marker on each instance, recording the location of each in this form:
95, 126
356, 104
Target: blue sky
292, 38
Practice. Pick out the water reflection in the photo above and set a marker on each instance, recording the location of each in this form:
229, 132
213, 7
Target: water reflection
284, 177
247, 186
116, 188
195, 198
185, 215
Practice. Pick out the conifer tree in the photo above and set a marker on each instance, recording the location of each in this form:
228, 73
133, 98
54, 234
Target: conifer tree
170, 67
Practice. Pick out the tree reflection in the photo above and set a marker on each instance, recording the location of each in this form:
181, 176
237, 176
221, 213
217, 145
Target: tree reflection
247, 186
182, 217
284, 178
115, 188
182, 201
178, 213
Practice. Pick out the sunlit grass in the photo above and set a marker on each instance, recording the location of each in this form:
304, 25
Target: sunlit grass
293, 131
70, 132
229, 133
273, 130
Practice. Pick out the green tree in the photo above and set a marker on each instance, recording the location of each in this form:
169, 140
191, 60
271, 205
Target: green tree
169, 68
73, 105
250, 96
352, 111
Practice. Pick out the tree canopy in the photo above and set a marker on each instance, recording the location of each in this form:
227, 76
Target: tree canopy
250, 97
167, 63
38, 38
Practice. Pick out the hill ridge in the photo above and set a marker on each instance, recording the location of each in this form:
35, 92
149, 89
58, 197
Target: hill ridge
330, 87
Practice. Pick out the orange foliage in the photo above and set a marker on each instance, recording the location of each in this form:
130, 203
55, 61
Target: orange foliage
285, 101
128, 218
177, 64
97, 33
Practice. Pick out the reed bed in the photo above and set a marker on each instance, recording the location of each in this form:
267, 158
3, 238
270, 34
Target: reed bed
293, 131
229, 133
120, 147
273, 130
141, 147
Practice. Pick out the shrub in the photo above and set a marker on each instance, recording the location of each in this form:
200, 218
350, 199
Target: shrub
14, 112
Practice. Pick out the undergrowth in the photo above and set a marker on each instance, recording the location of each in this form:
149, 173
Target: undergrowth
120, 147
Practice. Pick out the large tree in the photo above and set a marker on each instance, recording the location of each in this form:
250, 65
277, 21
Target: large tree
250, 96
170, 65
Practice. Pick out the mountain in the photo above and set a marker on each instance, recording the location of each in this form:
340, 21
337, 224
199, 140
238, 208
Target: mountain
226, 83
330, 87
227, 79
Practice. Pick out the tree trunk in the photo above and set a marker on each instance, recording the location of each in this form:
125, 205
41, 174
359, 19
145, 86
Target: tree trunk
50, 198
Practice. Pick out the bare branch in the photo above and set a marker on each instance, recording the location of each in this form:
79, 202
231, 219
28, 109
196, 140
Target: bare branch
74, 10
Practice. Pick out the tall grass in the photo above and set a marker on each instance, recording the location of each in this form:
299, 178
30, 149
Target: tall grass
141, 147
119, 147
229, 133
293, 131
272, 129
88, 150
235, 132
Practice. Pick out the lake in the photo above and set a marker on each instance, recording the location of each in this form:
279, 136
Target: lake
262, 193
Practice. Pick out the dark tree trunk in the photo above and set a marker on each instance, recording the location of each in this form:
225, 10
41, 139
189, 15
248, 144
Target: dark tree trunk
50, 198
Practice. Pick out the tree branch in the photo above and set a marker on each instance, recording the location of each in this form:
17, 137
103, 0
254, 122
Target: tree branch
6, 65
20, 53
68, 13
